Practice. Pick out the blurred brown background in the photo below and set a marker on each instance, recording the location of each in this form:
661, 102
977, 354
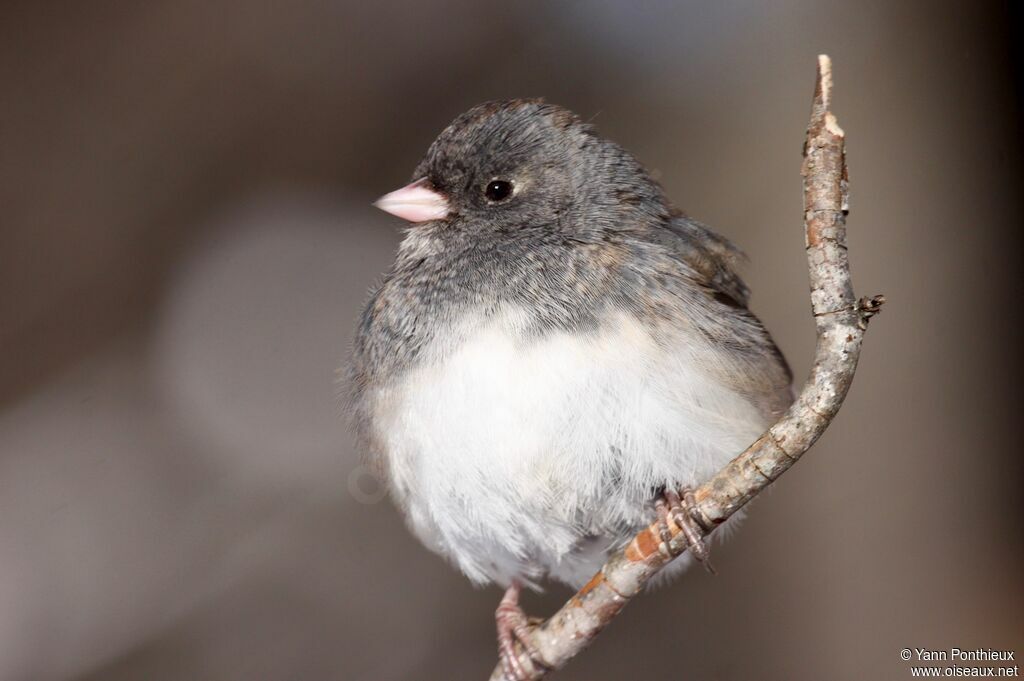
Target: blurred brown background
186, 237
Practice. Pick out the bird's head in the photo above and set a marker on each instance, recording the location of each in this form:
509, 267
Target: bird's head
525, 164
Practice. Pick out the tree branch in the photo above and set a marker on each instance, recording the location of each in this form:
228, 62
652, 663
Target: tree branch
841, 321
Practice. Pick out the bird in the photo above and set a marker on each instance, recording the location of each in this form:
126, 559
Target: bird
555, 357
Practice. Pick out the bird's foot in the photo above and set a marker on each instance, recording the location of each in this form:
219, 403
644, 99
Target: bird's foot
514, 626
683, 512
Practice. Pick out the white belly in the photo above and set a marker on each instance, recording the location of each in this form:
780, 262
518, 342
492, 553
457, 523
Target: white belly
508, 451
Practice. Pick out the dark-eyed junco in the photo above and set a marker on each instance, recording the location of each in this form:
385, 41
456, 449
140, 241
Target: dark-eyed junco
554, 353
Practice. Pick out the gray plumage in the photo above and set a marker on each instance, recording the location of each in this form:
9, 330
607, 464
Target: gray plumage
531, 371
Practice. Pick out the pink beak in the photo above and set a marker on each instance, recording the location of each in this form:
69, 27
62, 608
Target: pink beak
415, 202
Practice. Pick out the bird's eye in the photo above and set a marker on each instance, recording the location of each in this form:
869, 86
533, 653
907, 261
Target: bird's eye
498, 190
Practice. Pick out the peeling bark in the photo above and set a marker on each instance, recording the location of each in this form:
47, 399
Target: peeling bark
840, 320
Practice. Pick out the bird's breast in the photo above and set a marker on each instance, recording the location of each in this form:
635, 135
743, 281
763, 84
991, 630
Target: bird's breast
506, 441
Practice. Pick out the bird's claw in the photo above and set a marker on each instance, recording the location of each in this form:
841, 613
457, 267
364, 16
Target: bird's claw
514, 627
683, 512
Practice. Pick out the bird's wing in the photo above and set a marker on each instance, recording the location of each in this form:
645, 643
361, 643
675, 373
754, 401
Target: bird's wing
710, 261
712, 257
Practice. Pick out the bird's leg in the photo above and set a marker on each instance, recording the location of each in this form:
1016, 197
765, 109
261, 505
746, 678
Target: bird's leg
513, 625
684, 515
